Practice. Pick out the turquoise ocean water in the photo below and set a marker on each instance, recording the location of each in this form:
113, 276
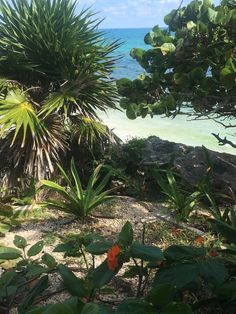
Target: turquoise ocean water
195, 133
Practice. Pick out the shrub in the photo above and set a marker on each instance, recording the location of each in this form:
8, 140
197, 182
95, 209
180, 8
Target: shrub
75, 199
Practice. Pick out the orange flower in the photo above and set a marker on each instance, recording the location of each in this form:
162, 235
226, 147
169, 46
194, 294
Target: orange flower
112, 260
199, 240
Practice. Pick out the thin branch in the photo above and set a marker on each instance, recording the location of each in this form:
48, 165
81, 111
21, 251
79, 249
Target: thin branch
223, 141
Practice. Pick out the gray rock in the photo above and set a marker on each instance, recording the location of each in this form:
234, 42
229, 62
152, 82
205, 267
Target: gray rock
191, 163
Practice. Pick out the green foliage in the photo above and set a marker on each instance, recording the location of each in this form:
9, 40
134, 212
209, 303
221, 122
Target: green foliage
55, 73
19, 270
76, 200
135, 179
167, 276
7, 218
183, 204
190, 64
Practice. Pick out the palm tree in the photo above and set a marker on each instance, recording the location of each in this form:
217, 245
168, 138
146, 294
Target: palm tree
55, 69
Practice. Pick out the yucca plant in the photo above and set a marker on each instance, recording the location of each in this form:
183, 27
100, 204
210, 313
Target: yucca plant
74, 199
182, 204
55, 66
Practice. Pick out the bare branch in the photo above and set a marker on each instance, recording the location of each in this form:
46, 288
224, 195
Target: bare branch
223, 141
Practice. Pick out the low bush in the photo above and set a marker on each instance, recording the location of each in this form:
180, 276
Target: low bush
75, 199
179, 279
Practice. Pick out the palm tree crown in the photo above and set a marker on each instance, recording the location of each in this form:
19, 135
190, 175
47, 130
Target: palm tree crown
55, 69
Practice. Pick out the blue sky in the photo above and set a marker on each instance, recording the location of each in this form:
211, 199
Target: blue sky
132, 13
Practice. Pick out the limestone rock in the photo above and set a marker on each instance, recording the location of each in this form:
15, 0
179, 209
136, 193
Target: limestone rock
192, 164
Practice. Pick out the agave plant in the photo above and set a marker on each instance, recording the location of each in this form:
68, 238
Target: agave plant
55, 66
183, 204
75, 199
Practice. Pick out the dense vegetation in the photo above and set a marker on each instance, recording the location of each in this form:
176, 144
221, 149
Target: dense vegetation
55, 74
190, 67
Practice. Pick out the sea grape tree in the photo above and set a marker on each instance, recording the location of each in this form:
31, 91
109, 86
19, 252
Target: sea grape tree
190, 66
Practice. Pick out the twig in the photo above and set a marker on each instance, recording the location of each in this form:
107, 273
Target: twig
140, 277
84, 257
223, 141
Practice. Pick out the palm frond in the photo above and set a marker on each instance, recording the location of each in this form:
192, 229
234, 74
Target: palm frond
92, 132
54, 64
17, 112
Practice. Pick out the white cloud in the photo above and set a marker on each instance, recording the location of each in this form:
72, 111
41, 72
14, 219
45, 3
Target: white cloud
116, 10
130, 13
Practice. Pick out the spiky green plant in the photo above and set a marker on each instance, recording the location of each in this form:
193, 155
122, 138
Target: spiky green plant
55, 65
75, 199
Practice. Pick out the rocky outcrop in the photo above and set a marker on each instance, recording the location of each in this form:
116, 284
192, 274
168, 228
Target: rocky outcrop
191, 163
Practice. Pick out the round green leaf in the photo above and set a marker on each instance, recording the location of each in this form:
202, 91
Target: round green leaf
124, 103
131, 111
20, 242
167, 47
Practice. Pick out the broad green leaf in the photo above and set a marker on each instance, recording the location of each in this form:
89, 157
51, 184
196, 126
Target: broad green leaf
181, 252
212, 271
169, 17
191, 25
4, 228
212, 14
149, 38
35, 270
226, 231
133, 271
28, 299
137, 53
49, 260
35, 249
74, 285
124, 86
64, 247
8, 253
98, 248
167, 47
227, 77
102, 275
131, 111
161, 295
20, 242
178, 276
126, 235
6, 279
146, 252
124, 103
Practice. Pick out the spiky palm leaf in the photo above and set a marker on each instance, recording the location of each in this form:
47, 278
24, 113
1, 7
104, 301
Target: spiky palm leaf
54, 64
92, 132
